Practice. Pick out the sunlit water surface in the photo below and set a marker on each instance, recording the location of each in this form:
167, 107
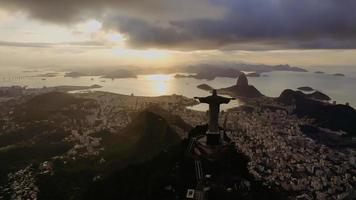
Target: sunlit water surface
341, 89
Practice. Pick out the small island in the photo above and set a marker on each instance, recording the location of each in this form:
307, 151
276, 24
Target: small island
75, 74
319, 72
48, 75
181, 76
339, 74
205, 87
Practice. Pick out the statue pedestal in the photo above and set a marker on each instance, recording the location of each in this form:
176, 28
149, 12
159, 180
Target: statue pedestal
214, 138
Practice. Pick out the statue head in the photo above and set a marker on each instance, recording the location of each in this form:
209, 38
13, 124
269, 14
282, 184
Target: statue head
214, 93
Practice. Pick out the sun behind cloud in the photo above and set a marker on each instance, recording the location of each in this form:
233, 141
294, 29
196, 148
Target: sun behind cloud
91, 26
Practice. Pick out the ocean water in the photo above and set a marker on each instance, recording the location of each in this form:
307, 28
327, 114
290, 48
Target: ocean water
340, 89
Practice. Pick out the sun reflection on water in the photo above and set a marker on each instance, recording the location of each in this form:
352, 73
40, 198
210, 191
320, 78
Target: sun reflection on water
159, 83
160, 88
159, 77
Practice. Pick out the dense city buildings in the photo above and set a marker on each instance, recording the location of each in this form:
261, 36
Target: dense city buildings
280, 154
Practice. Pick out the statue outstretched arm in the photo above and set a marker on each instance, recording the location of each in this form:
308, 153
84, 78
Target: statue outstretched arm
226, 100
202, 99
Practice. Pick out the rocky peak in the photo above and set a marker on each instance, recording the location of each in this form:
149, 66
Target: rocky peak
242, 81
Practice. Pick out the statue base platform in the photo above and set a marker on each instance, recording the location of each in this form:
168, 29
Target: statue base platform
214, 138
210, 152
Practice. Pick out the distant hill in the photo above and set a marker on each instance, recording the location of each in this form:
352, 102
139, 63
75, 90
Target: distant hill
210, 73
314, 94
230, 70
334, 117
259, 68
120, 73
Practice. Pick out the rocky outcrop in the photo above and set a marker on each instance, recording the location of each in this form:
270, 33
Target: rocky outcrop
316, 95
334, 117
241, 89
319, 96
289, 96
242, 81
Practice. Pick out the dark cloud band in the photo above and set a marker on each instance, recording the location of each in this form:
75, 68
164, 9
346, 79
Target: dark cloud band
246, 24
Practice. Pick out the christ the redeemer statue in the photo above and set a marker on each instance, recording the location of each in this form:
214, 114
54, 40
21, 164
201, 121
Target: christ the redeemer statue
214, 102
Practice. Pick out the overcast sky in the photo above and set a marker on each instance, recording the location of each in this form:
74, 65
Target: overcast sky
172, 32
